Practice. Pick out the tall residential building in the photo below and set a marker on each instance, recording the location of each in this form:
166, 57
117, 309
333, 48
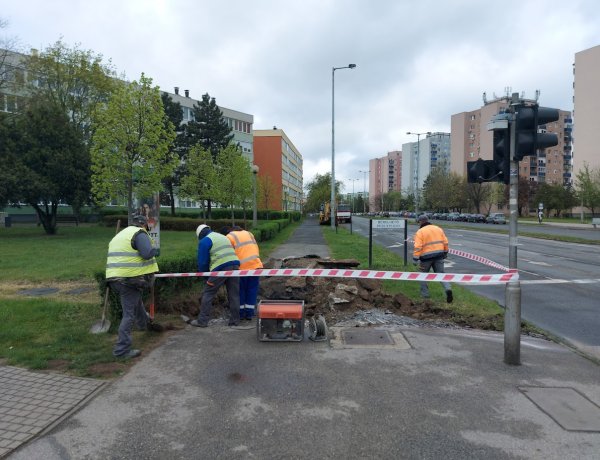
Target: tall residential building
422, 157
279, 162
384, 177
471, 140
586, 108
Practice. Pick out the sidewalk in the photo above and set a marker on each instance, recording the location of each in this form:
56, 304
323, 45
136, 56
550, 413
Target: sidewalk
371, 392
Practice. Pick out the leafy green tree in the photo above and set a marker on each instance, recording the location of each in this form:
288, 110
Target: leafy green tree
208, 129
588, 187
200, 183
479, 194
75, 80
234, 181
319, 191
131, 143
45, 161
266, 193
174, 115
555, 197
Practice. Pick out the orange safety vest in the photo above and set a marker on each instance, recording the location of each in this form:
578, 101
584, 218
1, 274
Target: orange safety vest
430, 242
246, 249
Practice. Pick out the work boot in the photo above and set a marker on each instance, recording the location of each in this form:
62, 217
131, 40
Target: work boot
130, 354
196, 323
449, 297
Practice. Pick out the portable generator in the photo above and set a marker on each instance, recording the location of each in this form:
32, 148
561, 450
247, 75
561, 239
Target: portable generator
280, 320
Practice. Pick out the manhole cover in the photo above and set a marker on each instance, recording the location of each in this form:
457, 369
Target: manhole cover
38, 291
566, 406
367, 337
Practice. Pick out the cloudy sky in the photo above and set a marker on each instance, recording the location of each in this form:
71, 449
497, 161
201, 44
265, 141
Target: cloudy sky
418, 62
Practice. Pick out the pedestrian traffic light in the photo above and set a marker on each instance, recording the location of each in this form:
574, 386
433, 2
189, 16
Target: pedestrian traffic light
502, 154
527, 122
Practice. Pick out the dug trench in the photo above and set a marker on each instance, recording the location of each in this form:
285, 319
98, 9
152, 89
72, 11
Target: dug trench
337, 299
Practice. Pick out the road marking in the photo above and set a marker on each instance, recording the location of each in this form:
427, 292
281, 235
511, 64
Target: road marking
396, 245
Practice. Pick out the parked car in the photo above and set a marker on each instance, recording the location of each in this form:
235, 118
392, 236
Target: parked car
478, 218
453, 216
496, 218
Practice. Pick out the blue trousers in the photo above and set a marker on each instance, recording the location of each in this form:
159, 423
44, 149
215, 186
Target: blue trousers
248, 294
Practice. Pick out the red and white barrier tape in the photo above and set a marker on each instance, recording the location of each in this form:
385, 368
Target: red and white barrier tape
483, 260
365, 274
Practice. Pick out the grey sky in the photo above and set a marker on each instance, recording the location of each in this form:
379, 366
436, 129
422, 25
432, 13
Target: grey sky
418, 62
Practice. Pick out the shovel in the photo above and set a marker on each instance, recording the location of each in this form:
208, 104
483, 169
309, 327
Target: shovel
104, 325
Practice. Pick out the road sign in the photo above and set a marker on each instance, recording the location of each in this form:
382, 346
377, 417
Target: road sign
387, 223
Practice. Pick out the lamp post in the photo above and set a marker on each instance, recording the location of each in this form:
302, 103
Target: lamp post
416, 176
365, 189
254, 204
332, 204
353, 180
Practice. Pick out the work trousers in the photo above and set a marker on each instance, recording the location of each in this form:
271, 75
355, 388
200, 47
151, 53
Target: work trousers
232, 285
134, 313
248, 294
437, 265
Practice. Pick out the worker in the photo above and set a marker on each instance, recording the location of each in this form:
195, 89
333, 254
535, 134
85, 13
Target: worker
430, 250
130, 265
215, 253
246, 249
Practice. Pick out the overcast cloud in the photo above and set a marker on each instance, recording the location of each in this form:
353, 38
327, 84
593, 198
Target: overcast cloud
418, 62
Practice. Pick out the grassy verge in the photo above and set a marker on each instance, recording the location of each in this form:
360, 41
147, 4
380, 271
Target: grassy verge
468, 309
52, 332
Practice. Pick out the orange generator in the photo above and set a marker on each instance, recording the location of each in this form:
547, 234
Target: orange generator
280, 320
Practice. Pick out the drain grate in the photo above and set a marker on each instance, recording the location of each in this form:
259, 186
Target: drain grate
362, 336
566, 406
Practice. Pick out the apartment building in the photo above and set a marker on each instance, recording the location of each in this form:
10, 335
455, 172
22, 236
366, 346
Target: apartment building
280, 161
422, 157
471, 140
384, 176
586, 108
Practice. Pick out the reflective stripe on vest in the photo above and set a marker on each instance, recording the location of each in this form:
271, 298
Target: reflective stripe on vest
246, 249
125, 262
221, 250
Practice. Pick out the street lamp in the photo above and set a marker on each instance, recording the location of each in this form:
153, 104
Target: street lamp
254, 211
416, 176
365, 189
332, 205
353, 180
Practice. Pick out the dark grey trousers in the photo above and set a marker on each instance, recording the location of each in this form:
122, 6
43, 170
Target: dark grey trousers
438, 267
134, 313
232, 284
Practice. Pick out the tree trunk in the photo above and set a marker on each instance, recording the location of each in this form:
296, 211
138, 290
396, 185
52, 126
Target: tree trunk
47, 218
172, 198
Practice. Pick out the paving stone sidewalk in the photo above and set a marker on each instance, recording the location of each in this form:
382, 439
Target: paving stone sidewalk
31, 403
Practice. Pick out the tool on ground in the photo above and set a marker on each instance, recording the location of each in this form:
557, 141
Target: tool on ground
318, 329
280, 320
104, 324
156, 327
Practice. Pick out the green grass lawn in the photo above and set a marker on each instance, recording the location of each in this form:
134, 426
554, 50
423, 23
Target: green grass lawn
50, 332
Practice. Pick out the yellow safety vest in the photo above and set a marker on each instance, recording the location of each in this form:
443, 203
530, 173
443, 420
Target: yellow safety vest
125, 262
221, 250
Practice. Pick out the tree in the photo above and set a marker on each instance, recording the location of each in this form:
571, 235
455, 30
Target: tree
479, 194
45, 161
75, 80
200, 183
234, 175
588, 187
8, 48
319, 191
130, 145
174, 115
208, 129
556, 197
266, 192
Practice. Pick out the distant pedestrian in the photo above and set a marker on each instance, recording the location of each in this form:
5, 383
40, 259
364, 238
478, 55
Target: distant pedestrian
215, 253
246, 249
540, 216
129, 268
430, 250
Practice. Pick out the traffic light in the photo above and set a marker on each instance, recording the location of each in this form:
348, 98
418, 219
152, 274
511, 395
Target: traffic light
502, 155
527, 121
481, 171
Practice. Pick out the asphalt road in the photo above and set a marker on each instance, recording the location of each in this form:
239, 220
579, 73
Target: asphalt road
560, 282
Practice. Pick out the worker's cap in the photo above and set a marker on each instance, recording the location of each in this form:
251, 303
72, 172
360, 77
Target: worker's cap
139, 220
200, 228
423, 218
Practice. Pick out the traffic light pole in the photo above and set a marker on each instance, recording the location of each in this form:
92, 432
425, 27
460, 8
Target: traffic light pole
512, 308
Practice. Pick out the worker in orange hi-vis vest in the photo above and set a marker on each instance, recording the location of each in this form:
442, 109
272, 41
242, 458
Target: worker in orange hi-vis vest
430, 250
247, 251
